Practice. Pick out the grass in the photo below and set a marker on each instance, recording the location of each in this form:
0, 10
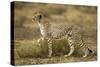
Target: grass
32, 49
29, 52
59, 59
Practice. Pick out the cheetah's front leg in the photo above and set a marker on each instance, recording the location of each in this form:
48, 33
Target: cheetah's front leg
50, 47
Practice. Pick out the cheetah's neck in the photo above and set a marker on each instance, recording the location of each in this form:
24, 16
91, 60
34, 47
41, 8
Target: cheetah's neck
44, 29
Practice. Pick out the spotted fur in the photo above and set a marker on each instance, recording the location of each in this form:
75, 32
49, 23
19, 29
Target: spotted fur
72, 33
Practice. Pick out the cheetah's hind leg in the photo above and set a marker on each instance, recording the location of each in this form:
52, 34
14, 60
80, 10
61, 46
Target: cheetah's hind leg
71, 45
85, 49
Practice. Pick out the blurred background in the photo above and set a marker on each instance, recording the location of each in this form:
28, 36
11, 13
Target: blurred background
24, 28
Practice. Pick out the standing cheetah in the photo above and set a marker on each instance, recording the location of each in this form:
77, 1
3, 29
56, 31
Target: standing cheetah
70, 32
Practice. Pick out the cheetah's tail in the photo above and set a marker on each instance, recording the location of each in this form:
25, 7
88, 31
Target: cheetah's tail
90, 51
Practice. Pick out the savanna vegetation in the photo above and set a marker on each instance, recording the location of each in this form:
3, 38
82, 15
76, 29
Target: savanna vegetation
26, 32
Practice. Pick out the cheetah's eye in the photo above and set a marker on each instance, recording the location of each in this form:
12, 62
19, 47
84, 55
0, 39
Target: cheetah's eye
40, 17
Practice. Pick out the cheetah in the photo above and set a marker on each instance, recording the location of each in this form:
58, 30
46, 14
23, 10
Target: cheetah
70, 32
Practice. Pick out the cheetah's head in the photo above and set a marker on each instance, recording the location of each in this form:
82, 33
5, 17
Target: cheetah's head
37, 17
